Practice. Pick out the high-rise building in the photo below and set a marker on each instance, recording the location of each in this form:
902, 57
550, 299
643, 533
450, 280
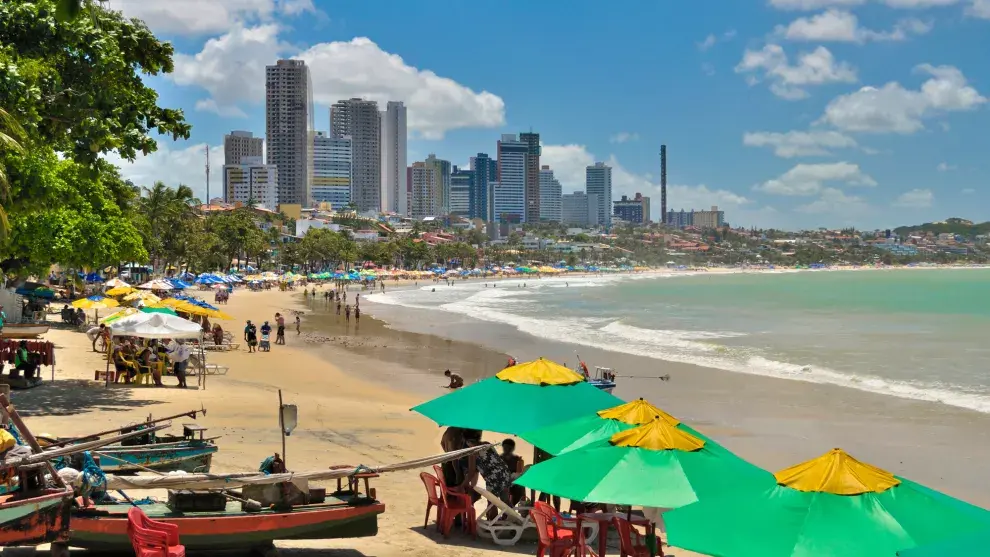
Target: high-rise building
240, 144
533, 151
482, 195
443, 169
702, 219
331, 170
550, 194
359, 119
393, 148
636, 210
509, 194
425, 191
579, 208
252, 182
461, 185
598, 182
288, 123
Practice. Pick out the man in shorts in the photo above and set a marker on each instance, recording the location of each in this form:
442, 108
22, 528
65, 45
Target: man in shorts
280, 330
251, 336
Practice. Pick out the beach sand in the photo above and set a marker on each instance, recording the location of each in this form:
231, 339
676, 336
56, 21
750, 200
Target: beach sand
355, 382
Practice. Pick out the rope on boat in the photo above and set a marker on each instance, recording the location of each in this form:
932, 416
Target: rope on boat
94, 481
219, 481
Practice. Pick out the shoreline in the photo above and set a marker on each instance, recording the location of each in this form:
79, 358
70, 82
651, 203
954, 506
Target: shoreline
774, 422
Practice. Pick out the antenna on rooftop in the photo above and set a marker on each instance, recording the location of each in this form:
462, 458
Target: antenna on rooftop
207, 176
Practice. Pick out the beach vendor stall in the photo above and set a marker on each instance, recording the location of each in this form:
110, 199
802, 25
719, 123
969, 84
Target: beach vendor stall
160, 326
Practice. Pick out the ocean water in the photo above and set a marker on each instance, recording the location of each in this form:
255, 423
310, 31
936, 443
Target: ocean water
920, 334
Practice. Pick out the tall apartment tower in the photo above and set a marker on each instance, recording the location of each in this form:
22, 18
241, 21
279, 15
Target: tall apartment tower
532, 141
425, 191
482, 200
509, 193
331, 170
360, 120
240, 144
288, 125
598, 182
393, 148
443, 171
550, 194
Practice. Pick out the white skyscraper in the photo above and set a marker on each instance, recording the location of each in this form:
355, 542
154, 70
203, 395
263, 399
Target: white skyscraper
251, 182
393, 146
598, 182
510, 191
550, 194
288, 123
331, 170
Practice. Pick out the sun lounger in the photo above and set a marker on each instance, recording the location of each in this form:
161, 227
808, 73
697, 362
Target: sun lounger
511, 524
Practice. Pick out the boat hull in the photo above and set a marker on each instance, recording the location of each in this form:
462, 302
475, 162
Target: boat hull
37, 520
602, 384
104, 528
166, 457
23, 331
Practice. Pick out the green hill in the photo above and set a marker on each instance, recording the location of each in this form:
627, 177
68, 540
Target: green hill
953, 225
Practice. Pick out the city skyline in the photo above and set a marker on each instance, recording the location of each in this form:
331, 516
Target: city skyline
756, 102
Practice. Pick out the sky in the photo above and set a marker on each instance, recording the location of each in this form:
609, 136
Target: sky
789, 114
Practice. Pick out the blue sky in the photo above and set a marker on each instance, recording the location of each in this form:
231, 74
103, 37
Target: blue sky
786, 113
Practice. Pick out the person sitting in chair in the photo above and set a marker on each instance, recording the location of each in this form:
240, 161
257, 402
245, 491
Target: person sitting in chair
125, 368
24, 361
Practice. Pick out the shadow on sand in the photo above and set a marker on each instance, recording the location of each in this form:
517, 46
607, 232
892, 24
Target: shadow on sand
459, 538
66, 397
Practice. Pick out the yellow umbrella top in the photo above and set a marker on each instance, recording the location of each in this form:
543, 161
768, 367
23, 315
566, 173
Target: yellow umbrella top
147, 297
540, 372
838, 473
658, 435
119, 291
637, 412
95, 302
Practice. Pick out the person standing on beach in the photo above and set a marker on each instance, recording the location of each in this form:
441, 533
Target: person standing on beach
347, 313
298, 325
338, 305
250, 336
280, 331
357, 313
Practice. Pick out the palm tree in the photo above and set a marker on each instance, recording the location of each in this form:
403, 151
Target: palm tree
11, 134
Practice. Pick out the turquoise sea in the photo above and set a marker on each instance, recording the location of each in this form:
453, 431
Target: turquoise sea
914, 333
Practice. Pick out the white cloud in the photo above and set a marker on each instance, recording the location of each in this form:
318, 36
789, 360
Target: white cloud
817, 67
979, 8
892, 108
810, 179
916, 198
210, 105
570, 161
232, 69
198, 17
967, 191
843, 26
834, 201
799, 143
945, 167
624, 137
709, 42
176, 163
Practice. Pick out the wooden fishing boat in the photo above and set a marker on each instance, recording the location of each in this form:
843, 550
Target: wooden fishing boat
103, 528
24, 330
35, 516
604, 379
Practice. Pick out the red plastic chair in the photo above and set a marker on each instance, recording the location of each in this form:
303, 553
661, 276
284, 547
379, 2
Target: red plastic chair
432, 497
553, 541
631, 541
560, 527
152, 539
455, 504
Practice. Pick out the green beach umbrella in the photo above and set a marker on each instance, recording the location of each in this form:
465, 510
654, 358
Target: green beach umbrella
652, 465
972, 545
597, 428
167, 310
831, 505
518, 399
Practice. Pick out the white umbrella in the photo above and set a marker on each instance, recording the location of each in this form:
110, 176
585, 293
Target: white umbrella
116, 282
157, 284
156, 325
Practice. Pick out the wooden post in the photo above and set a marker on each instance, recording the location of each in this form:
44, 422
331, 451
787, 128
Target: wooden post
281, 426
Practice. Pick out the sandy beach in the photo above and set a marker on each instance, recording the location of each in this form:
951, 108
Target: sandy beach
354, 383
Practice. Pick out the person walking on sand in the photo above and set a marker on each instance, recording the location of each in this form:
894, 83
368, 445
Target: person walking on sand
250, 336
298, 325
338, 305
357, 313
280, 330
347, 313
